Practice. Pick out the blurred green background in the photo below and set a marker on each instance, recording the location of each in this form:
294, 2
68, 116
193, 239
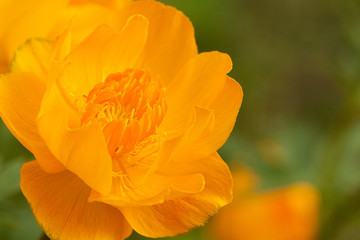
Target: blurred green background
298, 62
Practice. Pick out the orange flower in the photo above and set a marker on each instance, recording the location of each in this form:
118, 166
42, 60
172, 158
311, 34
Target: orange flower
24, 19
289, 213
124, 127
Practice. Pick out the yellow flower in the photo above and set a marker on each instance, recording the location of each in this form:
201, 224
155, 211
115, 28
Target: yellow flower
24, 19
288, 213
124, 127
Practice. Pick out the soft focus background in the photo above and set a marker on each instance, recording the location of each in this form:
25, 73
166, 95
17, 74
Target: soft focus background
295, 149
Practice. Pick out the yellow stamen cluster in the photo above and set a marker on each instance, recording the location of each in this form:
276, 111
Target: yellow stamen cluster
130, 105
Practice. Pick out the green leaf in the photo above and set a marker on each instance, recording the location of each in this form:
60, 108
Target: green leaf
10, 178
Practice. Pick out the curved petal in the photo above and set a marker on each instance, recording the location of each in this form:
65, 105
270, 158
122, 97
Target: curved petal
26, 19
33, 56
155, 189
203, 82
218, 180
82, 150
20, 98
211, 128
136, 181
178, 216
226, 106
105, 51
82, 20
198, 81
62, 46
170, 218
171, 41
59, 202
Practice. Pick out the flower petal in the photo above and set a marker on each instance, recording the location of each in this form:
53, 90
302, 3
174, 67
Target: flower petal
25, 19
132, 189
171, 42
82, 20
170, 218
20, 98
33, 56
211, 128
62, 46
181, 215
226, 106
137, 183
218, 180
109, 3
103, 52
4, 65
82, 150
59, 202
203, 82
193, 183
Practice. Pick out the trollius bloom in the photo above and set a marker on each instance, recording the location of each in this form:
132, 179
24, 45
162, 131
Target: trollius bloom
125, 127
286, 213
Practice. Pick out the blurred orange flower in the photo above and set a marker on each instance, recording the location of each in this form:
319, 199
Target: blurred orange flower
24, 19
288, 213
124, 127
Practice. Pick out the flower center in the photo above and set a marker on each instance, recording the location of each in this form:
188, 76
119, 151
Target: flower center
129, 105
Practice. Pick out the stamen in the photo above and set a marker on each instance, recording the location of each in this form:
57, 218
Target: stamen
130, 105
